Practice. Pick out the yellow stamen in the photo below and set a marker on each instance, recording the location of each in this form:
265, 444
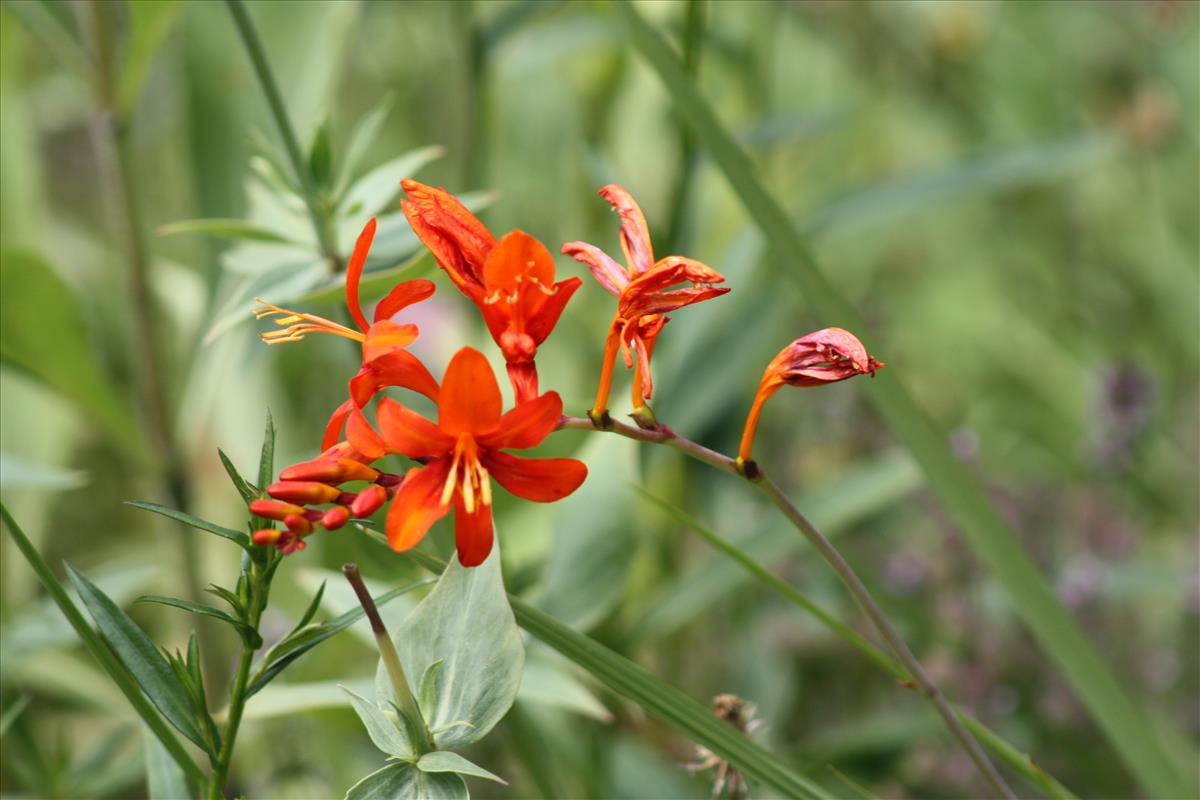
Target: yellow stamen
295, 325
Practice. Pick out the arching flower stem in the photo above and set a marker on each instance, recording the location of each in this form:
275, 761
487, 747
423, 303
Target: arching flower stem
858, 590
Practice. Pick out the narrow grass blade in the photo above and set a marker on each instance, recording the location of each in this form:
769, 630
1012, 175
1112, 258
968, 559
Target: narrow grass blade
200, 524
99, 650
1002, 749
1123, 722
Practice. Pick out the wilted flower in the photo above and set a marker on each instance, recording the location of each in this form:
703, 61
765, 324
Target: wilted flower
644, 292
825, 356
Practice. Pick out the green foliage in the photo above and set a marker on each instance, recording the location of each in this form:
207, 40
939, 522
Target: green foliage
408, 781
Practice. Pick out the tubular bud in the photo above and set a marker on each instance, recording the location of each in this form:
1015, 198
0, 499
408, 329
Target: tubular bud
328, 470
274, 509
335, 518
266, 537
369, 501
303, 492
298, 525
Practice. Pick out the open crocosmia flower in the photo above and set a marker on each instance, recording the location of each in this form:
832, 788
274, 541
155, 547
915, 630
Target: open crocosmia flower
645, 293
462, 452
385, 360
512, 280
826, 356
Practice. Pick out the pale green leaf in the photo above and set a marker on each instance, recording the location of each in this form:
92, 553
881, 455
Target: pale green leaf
466, 623
406, 782
444, 761
387, 731
235, 229
379, 187
164, 779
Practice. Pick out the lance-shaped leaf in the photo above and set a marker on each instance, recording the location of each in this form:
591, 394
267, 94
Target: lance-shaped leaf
139, 655
467, 624
195, 522
442, 761
385, 727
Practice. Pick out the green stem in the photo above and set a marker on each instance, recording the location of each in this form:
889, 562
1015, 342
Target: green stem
96, 646
110, 136
405, 701
664, 435
237, 704
308, 186
1019, 761
258, 578
693, 40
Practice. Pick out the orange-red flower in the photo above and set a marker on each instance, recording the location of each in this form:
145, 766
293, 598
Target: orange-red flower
511, 281
645, 291
462, 452
825, 356
385, 361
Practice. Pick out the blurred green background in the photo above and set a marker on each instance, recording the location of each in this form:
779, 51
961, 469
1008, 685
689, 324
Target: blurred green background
1008, 192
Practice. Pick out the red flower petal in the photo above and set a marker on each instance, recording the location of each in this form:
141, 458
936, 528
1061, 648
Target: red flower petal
333, 428
403, 295
473, 533
542, 480
397, 368
526, 425
354, 272
608, 273
408, 433
362, 436
517, 256
386, 337
417, 505
543, 320
458, 240
470, 397
635, 234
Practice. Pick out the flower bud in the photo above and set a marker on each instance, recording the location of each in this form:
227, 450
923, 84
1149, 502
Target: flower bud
335, 518
274, 509
298, 525
266, 537
329, 470
303, 492
368, 501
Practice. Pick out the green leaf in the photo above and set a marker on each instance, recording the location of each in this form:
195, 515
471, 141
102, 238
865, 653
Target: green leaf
549, 680
444, 761
313, 605
200, 524
281, 283
427, 696
1122, 720
379, 187
283, 699
364, 135
140, 656
373, 284
235, 229
385, 728
665, 702
42, 334
149, 24
986, 172
245, 631
297, 644
466, 623
589, 565
164, 779
406, 782
17, 473
266, 461
247, 491
12, 712
320, 156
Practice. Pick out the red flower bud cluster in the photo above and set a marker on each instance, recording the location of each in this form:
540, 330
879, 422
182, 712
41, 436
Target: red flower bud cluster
319, 482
